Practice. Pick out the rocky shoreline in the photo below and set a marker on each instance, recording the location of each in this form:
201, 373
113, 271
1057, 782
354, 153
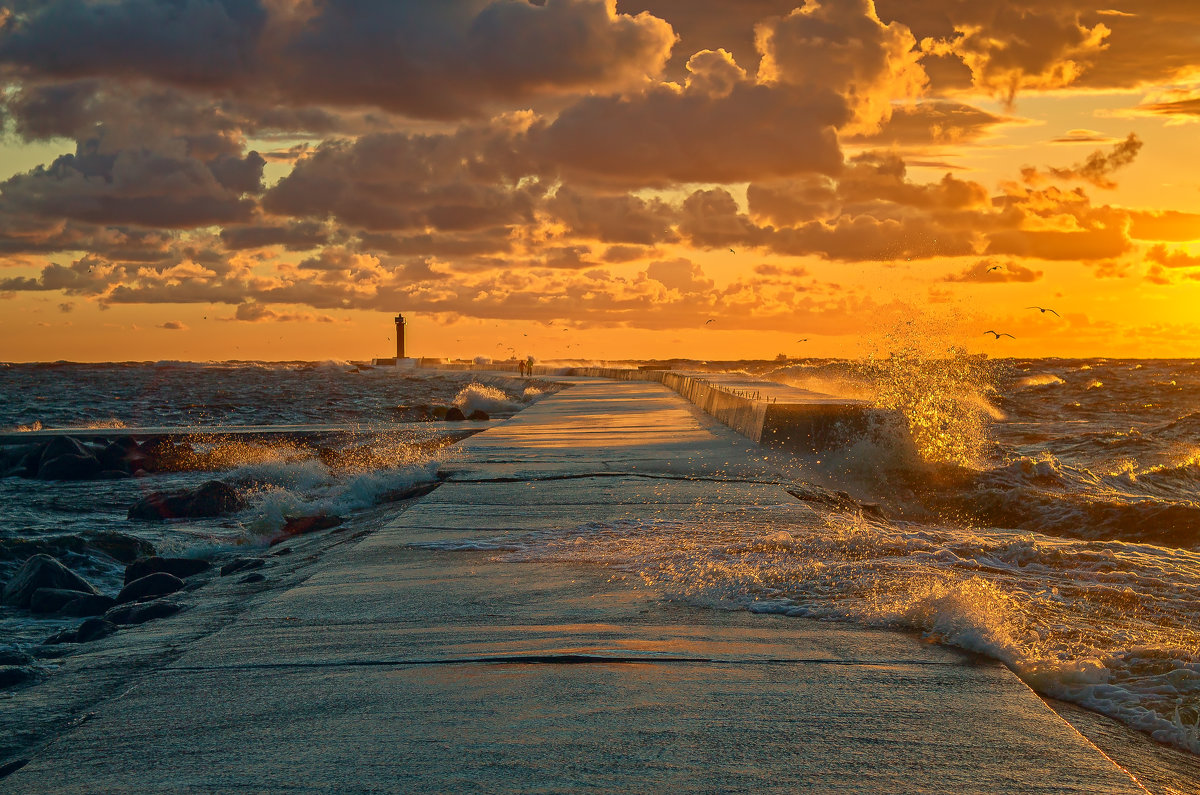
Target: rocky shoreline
165, 605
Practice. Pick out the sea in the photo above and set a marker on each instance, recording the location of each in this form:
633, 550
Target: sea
1042, 512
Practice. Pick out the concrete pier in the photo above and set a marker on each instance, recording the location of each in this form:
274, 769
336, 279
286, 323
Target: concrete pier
411, 663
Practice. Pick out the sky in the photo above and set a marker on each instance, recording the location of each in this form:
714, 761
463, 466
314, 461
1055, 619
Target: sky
589, 179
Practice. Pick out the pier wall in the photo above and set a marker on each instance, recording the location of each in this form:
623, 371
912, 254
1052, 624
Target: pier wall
812, 424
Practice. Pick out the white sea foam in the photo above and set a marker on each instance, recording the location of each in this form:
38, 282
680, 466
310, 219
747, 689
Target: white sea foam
481, 397
1107, 625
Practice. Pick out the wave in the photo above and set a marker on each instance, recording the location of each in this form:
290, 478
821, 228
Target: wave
1043, 379
481, 397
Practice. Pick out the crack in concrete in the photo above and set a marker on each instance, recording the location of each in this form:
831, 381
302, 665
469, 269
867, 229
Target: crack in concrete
570, 659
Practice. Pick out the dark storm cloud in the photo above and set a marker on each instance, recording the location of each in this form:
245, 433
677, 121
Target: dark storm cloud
396, 181
188, 42
295, 236
134, 186
443, 59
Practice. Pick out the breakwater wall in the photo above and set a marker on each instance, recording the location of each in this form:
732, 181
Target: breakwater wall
771, 414
774, 415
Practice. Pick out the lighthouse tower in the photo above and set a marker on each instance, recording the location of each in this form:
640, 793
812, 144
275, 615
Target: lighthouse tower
400, 323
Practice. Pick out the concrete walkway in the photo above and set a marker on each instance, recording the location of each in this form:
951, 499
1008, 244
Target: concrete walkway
405, 667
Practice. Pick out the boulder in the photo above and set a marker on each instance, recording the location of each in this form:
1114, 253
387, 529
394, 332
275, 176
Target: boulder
15, 657
62, 636
51, 600
63, 445
419, 490
28, 465
455, 414
214, 498
41, 571
13, 675
254, 576
120, 455
12, 767
157, 584
94, 629
479, 415
242, 564
180, 567
69, 467
302, 525
118, 546
87, 605
142, 612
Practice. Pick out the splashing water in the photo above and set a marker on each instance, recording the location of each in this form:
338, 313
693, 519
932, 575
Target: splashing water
942, 396
1096, 623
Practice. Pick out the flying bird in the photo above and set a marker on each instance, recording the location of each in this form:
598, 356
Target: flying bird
999, 334
1044, 310
710, 320
731, 251
994, 268
803, 340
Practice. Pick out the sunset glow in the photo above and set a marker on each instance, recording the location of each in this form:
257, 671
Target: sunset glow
581, 179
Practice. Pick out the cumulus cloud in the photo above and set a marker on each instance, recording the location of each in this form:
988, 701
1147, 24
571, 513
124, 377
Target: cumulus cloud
431, 60
135, 186
173, 325
745, 130
1169, 258
1099, 165
846, 47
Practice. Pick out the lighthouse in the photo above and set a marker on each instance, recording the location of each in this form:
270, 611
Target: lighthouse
400, 322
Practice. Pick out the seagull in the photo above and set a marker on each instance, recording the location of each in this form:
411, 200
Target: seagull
731, 251
1044, 310
710, 320
999, 334
994, 268
803, 340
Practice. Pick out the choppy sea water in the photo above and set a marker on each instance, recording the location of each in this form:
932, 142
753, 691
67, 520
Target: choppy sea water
84, 523
1051, 518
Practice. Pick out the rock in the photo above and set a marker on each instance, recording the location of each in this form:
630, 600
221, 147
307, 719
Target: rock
157, 584
118, 546
479, 415
454, 414
62, 636
51, 600
121, 455
41, 571
439, 412
281, 552
302, 525
94, 629
12, 767
15, 657
142, 612
419, 490
13, 675
180, 567
253, 577
87, 605
214, 498
60, 446
69, 467
242, 564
